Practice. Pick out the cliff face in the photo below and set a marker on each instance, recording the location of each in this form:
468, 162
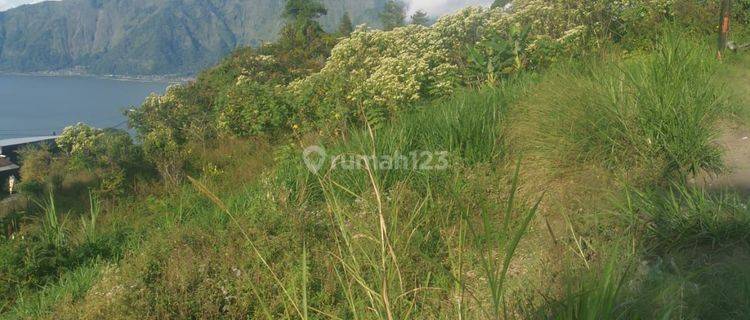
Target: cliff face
146, 37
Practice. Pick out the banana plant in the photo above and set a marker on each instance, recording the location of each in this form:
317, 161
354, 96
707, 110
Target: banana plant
499, 54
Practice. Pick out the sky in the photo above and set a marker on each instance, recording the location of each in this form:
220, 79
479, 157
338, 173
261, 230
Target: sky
441, 7
433, 7
7, 4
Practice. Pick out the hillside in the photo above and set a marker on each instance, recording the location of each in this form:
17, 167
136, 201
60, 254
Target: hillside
547, 162
140, 37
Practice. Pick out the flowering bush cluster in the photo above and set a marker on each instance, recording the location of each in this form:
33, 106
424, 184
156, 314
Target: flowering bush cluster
101, 159
371, 75
377, 72
166, 123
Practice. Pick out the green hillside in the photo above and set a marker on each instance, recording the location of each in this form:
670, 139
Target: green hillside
553, 161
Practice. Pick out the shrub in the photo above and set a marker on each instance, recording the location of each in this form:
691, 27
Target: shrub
110, 154
378, 72
37, 165
656, 115
165, 124
685, 217
250, 109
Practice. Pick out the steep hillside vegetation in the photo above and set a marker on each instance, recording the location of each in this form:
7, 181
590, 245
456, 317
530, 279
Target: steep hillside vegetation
530, 164
138, 37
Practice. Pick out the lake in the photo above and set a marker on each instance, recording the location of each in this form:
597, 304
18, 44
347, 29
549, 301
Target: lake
40, 105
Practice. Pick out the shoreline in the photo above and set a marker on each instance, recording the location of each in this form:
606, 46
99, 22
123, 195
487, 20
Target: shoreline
171, 79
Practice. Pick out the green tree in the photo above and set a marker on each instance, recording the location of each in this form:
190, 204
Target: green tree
304, 10
420, 18
394, 15
346, 27
500, 4
301, 29
166, 124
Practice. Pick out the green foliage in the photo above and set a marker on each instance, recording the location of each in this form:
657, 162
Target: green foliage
420, 18
467, 129
499, 4
377, 74
53, 230
110, 154
371, 75
685, 217
165, 124
237, 97
494, 237
471, 125
302, 32
497, 55
346, 27
304, 9
39, 167
89, 225
252, 237
741, 11
394, 15
251, 109
655, 116
601, 293
78, 141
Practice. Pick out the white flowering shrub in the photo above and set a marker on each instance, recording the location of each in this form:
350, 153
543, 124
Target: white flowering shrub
109, 154
466, 27
78, 139
374, 73
377, 72
165, 124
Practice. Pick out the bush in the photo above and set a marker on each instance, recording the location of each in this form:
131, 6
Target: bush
656, 114
250, 109
41, 168
110, 154
685, 217
377, 72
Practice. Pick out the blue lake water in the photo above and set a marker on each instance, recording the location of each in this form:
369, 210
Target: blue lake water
39, 105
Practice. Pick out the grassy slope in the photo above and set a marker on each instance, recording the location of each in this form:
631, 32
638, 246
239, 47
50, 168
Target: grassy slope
259, 235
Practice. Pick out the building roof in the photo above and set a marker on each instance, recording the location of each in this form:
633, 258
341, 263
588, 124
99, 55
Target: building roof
6, 165
20, 141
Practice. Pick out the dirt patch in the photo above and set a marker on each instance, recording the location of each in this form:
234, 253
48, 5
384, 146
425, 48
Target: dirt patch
735, 139
736, 145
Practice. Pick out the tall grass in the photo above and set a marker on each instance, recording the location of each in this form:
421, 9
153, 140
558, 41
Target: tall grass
373, 251
386, 227
656, 114
685, 217
89, 225
53, 230
495, 238
70, 287
469, 127
597, 294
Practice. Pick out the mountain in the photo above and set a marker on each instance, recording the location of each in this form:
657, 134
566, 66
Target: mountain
146, 37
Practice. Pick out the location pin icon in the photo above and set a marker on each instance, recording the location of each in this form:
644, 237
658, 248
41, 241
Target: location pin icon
314, 157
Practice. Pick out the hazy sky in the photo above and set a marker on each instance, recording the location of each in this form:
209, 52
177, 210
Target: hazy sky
440, 7
434, 7
7, 4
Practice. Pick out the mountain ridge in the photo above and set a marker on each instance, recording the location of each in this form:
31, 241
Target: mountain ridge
140, 37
